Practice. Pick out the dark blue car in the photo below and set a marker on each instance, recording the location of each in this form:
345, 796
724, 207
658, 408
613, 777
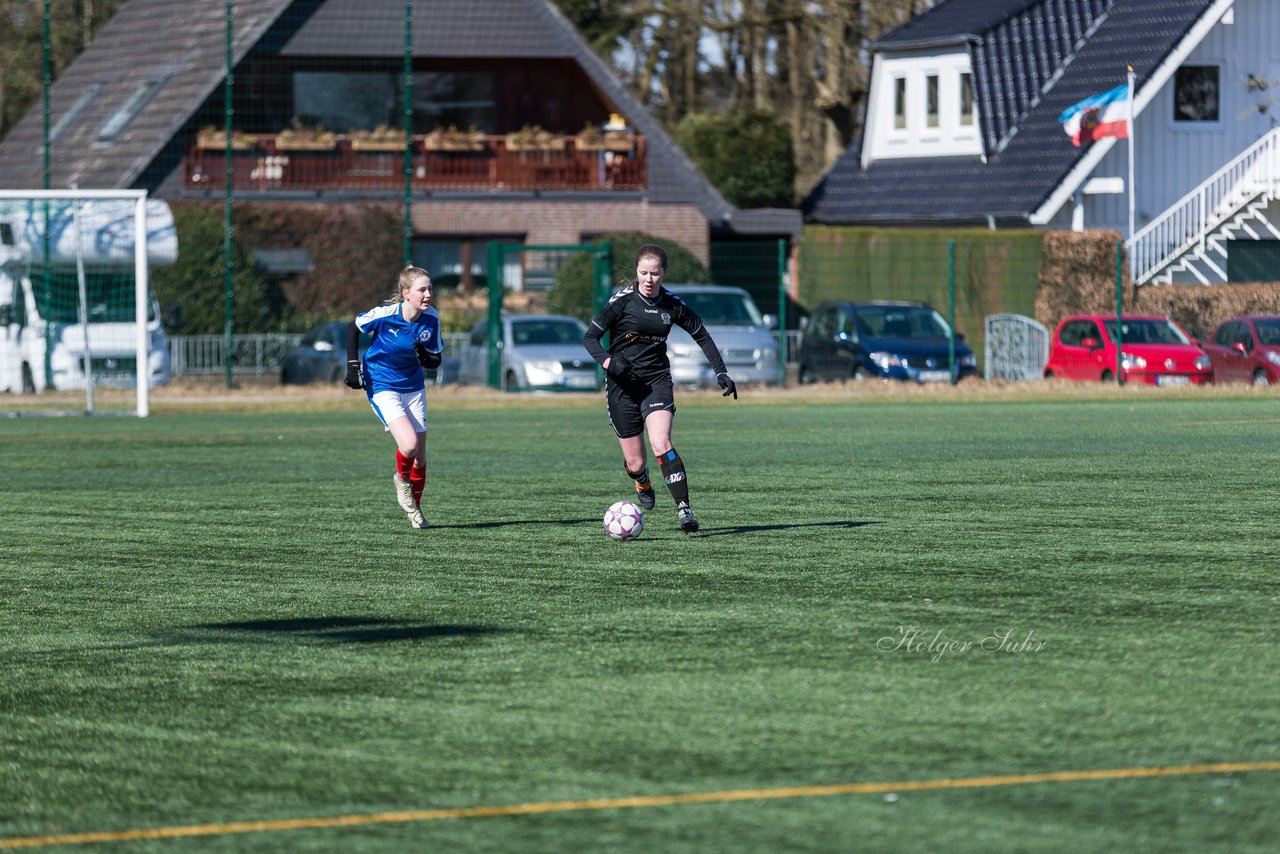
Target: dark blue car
881, 340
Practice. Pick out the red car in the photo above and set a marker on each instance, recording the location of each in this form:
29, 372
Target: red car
1246, 350
1155, 350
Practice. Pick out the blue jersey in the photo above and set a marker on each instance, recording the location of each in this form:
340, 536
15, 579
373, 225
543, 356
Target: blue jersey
390, 363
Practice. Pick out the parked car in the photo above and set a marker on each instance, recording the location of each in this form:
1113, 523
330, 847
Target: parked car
539, 352
743, 335
1246, 349
887, 340
321, 356
1155, 350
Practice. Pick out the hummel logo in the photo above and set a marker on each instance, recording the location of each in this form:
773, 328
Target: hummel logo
655, 405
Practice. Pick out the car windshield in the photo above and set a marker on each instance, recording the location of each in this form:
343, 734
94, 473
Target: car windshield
1146, 332
723, 309
895, 322
1269, 331
546, 332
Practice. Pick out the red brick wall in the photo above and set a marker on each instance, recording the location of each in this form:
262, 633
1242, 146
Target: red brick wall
552, 222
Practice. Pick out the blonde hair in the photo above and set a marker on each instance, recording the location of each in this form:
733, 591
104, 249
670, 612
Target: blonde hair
405, 281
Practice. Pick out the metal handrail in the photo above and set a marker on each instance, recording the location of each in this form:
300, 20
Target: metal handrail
1190, 220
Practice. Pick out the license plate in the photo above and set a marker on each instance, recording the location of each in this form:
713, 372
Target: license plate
935, 376
580, 382
1172, 380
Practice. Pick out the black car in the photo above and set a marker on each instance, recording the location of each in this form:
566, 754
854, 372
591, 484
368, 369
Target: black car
321, 356
882, 340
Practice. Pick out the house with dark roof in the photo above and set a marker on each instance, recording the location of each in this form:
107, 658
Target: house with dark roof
963, 127
509, 126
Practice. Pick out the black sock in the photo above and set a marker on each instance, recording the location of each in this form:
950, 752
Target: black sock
673, 474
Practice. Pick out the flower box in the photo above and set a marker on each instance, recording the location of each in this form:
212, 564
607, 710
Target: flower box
301, 138
214, 138
452, 139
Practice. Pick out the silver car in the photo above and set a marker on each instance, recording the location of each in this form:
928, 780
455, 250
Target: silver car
742, 333
540, 352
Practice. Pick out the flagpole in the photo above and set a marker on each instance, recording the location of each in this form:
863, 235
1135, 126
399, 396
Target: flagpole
1131, 189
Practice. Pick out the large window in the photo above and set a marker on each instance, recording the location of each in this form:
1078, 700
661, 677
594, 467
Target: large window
462, 98
1196, 91
344, 101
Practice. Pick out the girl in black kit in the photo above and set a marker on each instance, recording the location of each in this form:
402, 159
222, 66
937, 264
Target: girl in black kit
639, 390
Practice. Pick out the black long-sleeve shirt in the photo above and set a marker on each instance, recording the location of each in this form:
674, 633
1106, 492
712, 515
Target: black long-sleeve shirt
640, 327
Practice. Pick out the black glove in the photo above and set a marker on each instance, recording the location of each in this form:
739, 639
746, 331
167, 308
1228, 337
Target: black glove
425, 357
729, 386
353, 375
619, 366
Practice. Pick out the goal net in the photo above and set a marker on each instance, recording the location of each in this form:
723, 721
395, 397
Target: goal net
78, 320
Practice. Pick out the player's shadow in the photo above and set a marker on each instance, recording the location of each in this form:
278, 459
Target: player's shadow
503, 523
340, 629
757, 529
311, 630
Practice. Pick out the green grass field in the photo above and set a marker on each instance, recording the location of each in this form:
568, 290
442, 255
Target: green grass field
213, 617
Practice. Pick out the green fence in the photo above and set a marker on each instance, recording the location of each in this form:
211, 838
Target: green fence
995, 272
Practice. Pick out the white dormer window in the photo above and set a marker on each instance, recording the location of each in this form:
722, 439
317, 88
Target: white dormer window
921, 105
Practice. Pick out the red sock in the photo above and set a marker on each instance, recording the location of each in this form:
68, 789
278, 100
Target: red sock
403, 465
417, 481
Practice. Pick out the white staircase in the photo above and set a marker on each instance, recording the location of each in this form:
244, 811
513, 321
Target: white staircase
1188, 242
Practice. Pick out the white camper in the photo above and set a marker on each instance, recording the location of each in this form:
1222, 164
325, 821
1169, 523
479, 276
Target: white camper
42, 337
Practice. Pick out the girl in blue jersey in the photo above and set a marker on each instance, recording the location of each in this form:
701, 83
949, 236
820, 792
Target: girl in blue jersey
406, 339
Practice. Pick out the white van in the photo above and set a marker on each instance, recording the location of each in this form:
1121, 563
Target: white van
43, 346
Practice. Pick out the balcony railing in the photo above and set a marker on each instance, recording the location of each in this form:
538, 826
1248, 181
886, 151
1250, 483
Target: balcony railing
267, 165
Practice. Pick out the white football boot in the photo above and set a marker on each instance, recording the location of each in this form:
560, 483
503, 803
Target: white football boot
404, 494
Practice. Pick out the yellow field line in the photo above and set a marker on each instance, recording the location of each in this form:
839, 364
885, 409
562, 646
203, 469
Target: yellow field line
635, 802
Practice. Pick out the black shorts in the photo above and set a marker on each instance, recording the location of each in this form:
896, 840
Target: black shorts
629, 402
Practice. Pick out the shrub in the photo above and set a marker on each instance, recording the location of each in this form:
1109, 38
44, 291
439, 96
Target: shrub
196, 283
573, 292
747, 155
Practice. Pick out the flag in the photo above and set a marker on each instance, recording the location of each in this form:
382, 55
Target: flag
1098, 116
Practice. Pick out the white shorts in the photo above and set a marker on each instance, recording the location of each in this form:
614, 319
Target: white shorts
390, 405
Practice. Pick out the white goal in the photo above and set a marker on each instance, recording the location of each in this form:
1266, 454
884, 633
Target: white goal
76, 308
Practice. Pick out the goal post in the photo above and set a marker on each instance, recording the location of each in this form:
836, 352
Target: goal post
76, 307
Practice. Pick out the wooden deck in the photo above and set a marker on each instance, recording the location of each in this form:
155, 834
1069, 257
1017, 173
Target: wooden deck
268, 167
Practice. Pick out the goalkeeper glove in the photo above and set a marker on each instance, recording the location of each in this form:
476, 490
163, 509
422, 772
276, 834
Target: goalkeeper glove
619, 366
425, 357
353, 375
729, 386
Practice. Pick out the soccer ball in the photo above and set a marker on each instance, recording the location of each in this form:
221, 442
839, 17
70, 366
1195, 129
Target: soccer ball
623, 521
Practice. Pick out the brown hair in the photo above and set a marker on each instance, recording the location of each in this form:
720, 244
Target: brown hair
652, 250
407, 275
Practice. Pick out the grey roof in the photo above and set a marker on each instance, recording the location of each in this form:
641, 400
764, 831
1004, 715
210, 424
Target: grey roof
953, 20
186, 40
1026, 163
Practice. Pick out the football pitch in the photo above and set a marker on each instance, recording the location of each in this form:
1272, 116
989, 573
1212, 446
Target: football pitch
910, 622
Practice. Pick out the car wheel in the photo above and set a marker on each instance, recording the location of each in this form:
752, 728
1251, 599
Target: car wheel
1048, 375
1107, 377
806, 375
1260, 378
511, 383
860, 374
28, 380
